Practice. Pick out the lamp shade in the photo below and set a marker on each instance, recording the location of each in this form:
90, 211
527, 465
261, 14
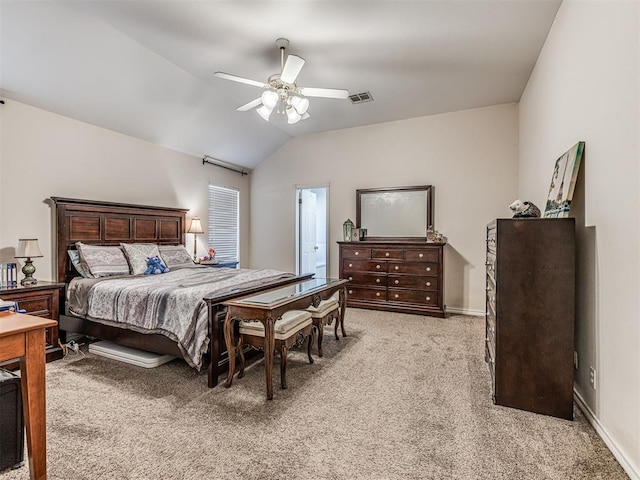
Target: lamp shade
293, 116
264, 112
301, 104
28, 248
196, 226
269, 99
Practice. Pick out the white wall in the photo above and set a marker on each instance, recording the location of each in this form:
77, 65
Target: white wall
585, 86
43, 154
469, 156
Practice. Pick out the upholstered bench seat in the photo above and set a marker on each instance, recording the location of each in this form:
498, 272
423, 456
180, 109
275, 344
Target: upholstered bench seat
289, 330
293, 320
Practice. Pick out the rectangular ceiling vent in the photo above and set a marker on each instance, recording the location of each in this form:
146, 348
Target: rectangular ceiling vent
361, 98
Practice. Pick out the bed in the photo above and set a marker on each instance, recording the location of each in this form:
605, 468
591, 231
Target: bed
97, 223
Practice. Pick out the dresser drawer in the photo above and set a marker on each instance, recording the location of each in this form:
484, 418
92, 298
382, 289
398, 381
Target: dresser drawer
422, 255
356, 252
364, 293
387, 254
413, 296
413, 268
421, 283
369, 279
354, 266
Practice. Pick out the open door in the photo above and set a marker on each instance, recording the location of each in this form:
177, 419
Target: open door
311, 228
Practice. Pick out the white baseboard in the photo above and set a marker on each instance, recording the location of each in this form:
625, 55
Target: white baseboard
465, 311
632, 470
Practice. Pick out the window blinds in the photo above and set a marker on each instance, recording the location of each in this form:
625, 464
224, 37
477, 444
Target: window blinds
224, 222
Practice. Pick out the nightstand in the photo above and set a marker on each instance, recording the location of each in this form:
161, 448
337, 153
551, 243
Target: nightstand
41, 300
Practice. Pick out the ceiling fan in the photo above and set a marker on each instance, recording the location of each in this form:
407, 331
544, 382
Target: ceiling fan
281, 92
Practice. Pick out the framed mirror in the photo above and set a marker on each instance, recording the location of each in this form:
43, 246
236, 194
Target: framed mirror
401, 213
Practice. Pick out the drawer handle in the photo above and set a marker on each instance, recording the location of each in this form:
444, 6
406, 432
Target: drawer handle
397, 267
350, 265
397, 296
378, 267
350, 292
377, 294
421, 255
377, 280
428, 299
397, 282
350, 278
357, 253
386, 254
428, 284
428, 269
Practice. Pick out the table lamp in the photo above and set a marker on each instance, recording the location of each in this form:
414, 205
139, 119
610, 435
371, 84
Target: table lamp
28, 249
196, 229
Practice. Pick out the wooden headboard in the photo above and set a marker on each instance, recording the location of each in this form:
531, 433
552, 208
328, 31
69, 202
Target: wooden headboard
107, 223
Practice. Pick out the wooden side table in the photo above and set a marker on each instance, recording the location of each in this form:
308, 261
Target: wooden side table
22, 336
40, 300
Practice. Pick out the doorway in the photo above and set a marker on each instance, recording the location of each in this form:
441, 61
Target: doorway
312, 237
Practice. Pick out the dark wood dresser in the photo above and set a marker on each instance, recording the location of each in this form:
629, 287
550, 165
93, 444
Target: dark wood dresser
530, 313
405, 277
41, 300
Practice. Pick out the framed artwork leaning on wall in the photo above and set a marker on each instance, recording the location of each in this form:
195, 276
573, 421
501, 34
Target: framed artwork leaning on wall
563, 182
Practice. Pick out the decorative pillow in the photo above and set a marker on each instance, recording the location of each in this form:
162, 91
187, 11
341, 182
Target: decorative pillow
176, 256
74, 256
137, 254
103, 261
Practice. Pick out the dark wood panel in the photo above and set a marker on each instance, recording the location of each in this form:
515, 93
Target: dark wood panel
145, 229
84, 228
170, 229
372, 279
117, 228
413, 296
422, 255
355, 266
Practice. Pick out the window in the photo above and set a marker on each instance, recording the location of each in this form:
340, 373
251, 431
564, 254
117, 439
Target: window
224, 222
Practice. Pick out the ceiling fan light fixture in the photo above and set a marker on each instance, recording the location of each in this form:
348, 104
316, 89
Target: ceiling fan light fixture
269, 99
293, 116
264, 112
301, 104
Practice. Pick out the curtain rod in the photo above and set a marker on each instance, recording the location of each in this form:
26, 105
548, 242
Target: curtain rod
221, 164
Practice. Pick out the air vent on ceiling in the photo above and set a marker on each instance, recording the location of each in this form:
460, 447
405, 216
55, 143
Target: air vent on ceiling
361, 98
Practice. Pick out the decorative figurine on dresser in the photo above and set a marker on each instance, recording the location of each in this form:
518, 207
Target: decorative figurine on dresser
530, 313
396, 266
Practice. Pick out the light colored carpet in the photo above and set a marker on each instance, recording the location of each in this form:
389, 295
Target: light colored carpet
402, 397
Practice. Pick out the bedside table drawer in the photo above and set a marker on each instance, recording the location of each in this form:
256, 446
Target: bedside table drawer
40, 305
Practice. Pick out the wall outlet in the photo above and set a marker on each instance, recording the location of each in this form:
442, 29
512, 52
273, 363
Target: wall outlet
592, 377
575, 360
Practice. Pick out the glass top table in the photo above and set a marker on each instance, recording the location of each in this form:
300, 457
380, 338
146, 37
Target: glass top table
288, 293
268, 307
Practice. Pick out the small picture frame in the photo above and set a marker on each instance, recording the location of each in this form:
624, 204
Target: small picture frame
358, 234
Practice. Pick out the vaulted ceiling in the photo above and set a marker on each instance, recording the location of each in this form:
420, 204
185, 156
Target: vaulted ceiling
145, 68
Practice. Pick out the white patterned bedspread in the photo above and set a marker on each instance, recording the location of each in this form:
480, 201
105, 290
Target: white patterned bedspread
170, 304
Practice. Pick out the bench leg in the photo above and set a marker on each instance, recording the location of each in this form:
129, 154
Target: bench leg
311, 341
320, 335
283, 367
241, 355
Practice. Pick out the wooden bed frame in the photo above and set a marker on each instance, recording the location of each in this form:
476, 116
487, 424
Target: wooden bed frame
107, 223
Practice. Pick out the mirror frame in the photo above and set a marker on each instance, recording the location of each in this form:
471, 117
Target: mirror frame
364, 191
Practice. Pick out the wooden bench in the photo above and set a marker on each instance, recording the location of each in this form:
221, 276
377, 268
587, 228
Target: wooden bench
288, 331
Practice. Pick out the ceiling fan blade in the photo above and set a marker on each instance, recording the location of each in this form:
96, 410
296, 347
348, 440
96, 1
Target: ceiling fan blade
234, 78
291, 68
250, 105
324, 92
